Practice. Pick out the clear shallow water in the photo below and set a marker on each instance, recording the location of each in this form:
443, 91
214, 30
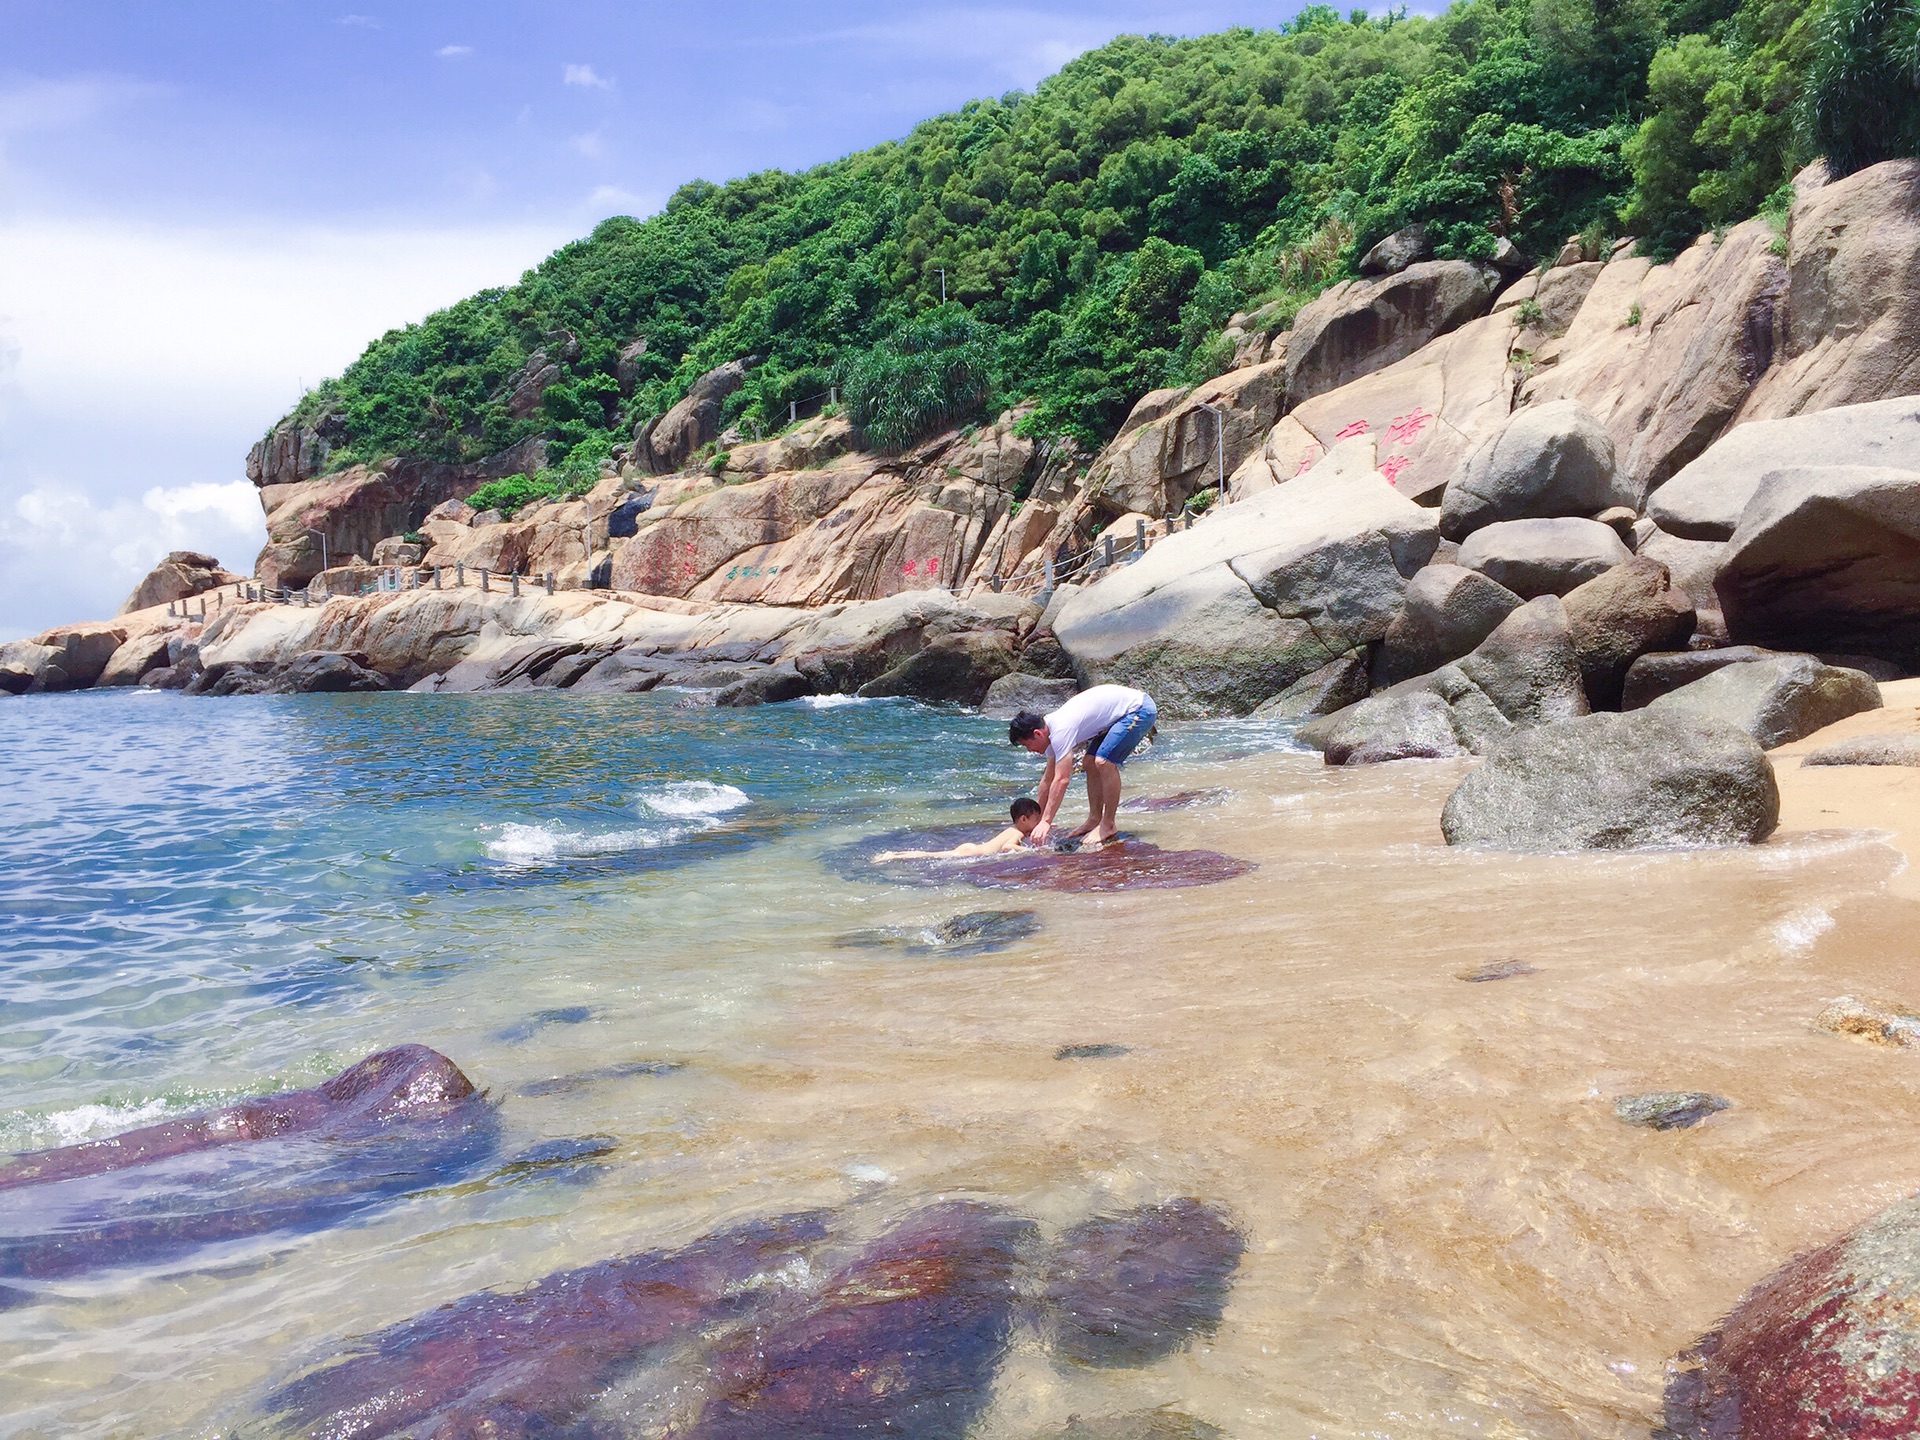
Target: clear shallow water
623, 920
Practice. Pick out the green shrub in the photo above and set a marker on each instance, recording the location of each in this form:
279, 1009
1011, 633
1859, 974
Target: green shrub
1528, 312
935, 372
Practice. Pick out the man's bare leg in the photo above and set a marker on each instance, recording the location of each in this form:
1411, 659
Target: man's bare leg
1103, 799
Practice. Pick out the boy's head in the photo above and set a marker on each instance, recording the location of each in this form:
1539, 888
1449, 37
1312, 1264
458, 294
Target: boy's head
1026, 815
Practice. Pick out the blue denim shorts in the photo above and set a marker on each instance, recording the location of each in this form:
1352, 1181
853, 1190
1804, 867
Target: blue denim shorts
1126, 733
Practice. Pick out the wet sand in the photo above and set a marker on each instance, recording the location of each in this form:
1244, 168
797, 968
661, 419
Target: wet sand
1448, 1229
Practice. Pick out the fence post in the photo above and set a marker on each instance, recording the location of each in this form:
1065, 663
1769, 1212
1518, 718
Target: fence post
169, 609
436, 577
483, 580
306, 599
1049, 574
514, 581
793, 411
1140, 536
549, 582
460, 574
994, 581
1106, 544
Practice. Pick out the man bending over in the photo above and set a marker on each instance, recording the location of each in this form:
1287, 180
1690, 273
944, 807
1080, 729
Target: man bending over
1110, 720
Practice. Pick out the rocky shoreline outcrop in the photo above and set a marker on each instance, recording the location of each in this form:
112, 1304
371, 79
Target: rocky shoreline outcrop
1450, 506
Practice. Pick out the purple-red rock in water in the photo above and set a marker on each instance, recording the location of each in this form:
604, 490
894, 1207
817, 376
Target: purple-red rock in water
904, 1340
1123, 865
527, 1362
1131, 1288
1180, 800
1827, 1347
400, 1121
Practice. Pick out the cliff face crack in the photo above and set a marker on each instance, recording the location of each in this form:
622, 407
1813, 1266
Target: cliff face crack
1305, 617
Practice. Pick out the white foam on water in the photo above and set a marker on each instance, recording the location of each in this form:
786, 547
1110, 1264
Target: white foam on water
545, 843
832, 702
1799, 930
83, 1122
694, 799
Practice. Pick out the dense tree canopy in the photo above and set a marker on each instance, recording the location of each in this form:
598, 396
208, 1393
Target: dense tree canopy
1092, 237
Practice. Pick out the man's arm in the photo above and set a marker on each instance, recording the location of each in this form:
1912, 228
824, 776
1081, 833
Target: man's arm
1053, 789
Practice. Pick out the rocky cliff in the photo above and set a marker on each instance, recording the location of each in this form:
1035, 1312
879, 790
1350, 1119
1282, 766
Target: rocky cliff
1733, 421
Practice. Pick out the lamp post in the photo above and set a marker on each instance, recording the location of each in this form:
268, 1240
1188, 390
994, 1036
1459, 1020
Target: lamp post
321, 537
1219, 445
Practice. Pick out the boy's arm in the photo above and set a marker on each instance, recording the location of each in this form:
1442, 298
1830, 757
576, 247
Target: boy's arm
1008, 839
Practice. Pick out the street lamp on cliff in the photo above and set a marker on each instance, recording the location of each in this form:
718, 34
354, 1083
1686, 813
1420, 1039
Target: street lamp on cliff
318, 535
1219, 444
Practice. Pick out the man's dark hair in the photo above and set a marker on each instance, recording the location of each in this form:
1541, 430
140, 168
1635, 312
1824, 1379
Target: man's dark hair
1024, 724
1023, 807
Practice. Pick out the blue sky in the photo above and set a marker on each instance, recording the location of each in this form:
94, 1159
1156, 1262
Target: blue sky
206, 207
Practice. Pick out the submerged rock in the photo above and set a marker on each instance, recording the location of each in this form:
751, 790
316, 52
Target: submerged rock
1496, 970
1179, 800
1641, 779
1827, 1346
902, 1340
1667, 1109
977, 932
1132, 1288
400, 1121
526, 1029
525, 1362
1099, 1050
1126, 864
1879, 1022
579, 1080
1166, 1423
1416, 726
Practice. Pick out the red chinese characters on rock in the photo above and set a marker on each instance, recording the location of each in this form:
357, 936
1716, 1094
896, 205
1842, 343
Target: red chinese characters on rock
914, 567
1407, 428
1392, 466
1358, 427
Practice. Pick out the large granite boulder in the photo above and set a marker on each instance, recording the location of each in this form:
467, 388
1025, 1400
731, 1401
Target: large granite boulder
1425, 413
1693, 565
1156, 463
1334, 686
184, 573
1449, 610
1548, 460
136, 656
73, 657
1827, 558
1220, 618
1543, 557
1826, 1346
1417, 725
1667, 386
1704, 500
1528, 669
328, 672
1852, 330
1613, 782
1011, 694
1777, 700
665, 444
1360, 326
959, 669
1406, 246
1620, 615
1657, 673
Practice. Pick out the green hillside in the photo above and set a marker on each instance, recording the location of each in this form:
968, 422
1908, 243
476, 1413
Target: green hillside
1096, 234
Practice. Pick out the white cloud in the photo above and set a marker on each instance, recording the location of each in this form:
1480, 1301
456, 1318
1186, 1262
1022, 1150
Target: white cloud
454, 52
612, 200
360, 22
146, 359
585, 77
589, 144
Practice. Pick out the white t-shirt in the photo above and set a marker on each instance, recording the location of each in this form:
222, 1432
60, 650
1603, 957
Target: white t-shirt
1087, 714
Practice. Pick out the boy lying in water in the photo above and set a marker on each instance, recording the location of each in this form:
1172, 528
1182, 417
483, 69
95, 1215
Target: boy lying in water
1026, 815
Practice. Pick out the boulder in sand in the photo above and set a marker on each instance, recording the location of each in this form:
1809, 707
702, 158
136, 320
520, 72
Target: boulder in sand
1827, 558
1222, 617
1776, 700
1528, 669
1621, 615
1868, 750
1614, 782
1547, 461
1826, 1346
1704, 500
1659, 672
1543, 557
1449, 610
1878, 1022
